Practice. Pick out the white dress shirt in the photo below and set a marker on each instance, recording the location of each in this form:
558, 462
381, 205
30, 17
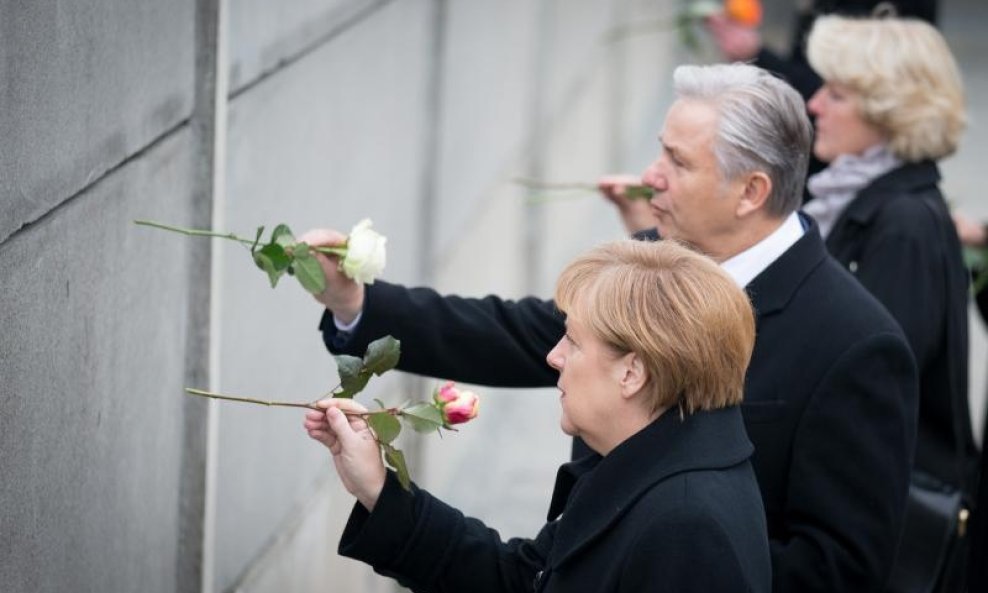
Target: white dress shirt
751, 262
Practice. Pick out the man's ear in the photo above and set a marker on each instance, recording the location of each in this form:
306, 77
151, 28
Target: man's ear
635, 375
754, 194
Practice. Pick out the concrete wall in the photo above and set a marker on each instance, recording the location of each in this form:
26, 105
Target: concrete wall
240, 113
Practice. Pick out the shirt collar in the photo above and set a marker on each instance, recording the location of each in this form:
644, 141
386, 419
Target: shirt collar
751, 262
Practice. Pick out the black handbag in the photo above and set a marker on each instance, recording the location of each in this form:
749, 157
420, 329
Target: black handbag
933, 539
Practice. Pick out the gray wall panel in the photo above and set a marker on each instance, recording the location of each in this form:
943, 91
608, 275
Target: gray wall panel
91, 382
264, 34
85, 85
333, 138
487, 93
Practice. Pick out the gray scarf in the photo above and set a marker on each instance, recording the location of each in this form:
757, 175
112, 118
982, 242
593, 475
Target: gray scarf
837, 185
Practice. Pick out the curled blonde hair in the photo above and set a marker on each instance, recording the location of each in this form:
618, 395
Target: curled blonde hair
684, 317
909, 84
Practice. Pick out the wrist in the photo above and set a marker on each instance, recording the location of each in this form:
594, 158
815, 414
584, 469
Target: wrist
346, 310
369, 495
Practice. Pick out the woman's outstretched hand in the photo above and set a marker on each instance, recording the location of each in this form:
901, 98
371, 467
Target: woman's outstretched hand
355, 451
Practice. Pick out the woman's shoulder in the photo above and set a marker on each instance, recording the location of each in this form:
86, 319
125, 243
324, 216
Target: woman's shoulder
913, 213
705, 498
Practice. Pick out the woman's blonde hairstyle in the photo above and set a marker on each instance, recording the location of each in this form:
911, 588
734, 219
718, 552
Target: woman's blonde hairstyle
685, 318
908, 81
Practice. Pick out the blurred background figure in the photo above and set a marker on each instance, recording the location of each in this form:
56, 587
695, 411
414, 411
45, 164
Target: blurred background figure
882, 123
740, 43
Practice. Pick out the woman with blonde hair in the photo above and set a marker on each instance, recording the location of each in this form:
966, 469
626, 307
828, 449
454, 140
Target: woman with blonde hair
891, 106
651, 372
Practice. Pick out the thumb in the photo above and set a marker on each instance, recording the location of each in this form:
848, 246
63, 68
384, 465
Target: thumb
340, 425
323, 238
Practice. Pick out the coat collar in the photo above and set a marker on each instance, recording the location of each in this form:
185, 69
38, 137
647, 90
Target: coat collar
772, 290
902, 181
596, 491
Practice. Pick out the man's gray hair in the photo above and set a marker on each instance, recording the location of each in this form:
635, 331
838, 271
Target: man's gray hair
762, 126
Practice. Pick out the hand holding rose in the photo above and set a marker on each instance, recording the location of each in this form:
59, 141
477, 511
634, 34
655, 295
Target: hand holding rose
636, 213
356, 454
361, 260
357, 437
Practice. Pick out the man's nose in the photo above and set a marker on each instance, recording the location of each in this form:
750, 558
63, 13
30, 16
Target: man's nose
654, 178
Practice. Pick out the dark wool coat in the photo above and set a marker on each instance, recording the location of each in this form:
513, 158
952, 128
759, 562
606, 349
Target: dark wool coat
898, 239
673, 508
830, 400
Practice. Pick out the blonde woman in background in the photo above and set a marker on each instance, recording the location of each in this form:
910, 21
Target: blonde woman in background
891, 106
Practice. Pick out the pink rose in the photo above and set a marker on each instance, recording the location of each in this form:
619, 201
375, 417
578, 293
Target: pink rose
456, 406
447, 393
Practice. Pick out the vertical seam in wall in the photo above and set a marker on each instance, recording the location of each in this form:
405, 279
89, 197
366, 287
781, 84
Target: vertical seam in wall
432, 143
218, 185
195, 560
617, 73
533, 224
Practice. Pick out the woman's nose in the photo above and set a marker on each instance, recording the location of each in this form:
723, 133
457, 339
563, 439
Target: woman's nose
555, 357
813, 105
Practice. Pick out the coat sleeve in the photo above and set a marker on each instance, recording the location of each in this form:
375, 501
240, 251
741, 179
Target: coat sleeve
428, 546
488, 341
850, 472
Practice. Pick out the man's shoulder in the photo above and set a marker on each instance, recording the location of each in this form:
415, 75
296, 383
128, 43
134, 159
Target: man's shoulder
806, 288
832, 295
829, 303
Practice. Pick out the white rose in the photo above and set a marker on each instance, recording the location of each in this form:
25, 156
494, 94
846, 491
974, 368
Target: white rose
364, 260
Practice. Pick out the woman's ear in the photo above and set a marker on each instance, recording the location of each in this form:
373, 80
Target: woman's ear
754, 197
635, 375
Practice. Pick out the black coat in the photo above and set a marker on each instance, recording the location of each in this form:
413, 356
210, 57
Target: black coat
673, 508
898, 239
830, 400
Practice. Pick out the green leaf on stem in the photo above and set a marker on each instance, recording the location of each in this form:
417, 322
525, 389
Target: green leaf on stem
282, 235
352, 376
382, 355
396, 460
257, 239
385, 426
264, 262
272, 259
423, 417
639, 192
307, 270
